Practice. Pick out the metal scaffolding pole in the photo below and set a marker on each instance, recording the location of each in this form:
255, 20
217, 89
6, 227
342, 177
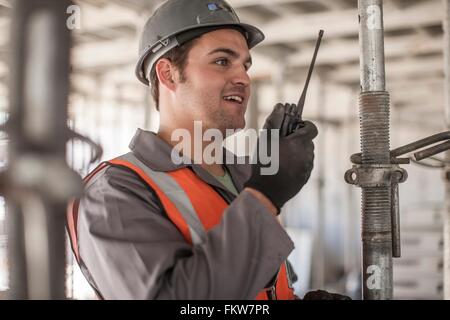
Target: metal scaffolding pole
446, 211
374, 121
376, 169
39, 182
320, 267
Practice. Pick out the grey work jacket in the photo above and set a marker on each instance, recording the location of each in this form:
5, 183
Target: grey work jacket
132, 250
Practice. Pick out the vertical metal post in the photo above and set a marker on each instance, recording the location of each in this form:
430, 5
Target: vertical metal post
374, 121
39, 180
446, 211
320, 265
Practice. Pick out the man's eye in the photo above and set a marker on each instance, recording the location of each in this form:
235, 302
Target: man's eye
222, 62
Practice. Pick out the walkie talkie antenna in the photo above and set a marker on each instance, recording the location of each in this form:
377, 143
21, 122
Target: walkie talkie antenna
301, 102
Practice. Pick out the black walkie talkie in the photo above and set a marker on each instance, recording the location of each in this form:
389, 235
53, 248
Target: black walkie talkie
293, 116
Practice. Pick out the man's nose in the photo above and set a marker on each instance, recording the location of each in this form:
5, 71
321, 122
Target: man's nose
241, 77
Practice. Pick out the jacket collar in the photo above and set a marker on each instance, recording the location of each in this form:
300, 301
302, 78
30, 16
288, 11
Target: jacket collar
156, 154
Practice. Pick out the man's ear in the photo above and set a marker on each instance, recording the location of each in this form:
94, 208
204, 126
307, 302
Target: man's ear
166, 73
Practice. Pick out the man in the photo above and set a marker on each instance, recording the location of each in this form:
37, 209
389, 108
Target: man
148, 228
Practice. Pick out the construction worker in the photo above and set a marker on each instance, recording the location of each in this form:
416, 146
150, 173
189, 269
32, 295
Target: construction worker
148, 228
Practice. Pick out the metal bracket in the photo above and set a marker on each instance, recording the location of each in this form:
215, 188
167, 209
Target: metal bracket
415, 146
390, 175
376, 175
382, 175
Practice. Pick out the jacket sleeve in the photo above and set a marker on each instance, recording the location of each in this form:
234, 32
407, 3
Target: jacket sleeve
133, 251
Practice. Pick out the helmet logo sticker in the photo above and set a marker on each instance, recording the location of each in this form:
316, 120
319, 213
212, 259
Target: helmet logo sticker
213, 7
219, 6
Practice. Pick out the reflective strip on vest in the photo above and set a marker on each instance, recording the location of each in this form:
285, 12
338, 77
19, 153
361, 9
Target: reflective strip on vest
176, 195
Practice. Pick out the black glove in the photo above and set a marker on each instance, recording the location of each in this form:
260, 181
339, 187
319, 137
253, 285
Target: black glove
296, 157
324, 295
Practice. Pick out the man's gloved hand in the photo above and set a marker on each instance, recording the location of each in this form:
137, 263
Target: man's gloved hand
324, 295
296, 158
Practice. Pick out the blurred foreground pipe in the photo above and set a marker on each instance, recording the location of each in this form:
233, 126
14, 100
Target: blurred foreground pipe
39, 180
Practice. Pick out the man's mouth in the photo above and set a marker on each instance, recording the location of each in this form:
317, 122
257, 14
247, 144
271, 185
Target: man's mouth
234, 98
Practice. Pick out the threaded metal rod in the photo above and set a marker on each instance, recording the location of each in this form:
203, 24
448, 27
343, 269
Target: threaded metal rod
374, 121
376, 201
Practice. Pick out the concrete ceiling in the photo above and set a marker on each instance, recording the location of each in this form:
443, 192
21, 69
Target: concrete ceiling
108, 39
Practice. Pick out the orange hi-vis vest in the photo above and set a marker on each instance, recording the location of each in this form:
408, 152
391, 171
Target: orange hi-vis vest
192, 205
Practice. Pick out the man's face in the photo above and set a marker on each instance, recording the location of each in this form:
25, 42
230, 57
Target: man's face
216, 87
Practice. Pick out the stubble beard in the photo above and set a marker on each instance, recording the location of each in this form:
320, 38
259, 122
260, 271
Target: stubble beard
213, 115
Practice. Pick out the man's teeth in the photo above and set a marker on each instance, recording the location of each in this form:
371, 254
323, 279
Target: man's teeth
235, 98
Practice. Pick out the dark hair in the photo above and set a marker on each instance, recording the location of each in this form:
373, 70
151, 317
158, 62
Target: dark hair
178, 57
